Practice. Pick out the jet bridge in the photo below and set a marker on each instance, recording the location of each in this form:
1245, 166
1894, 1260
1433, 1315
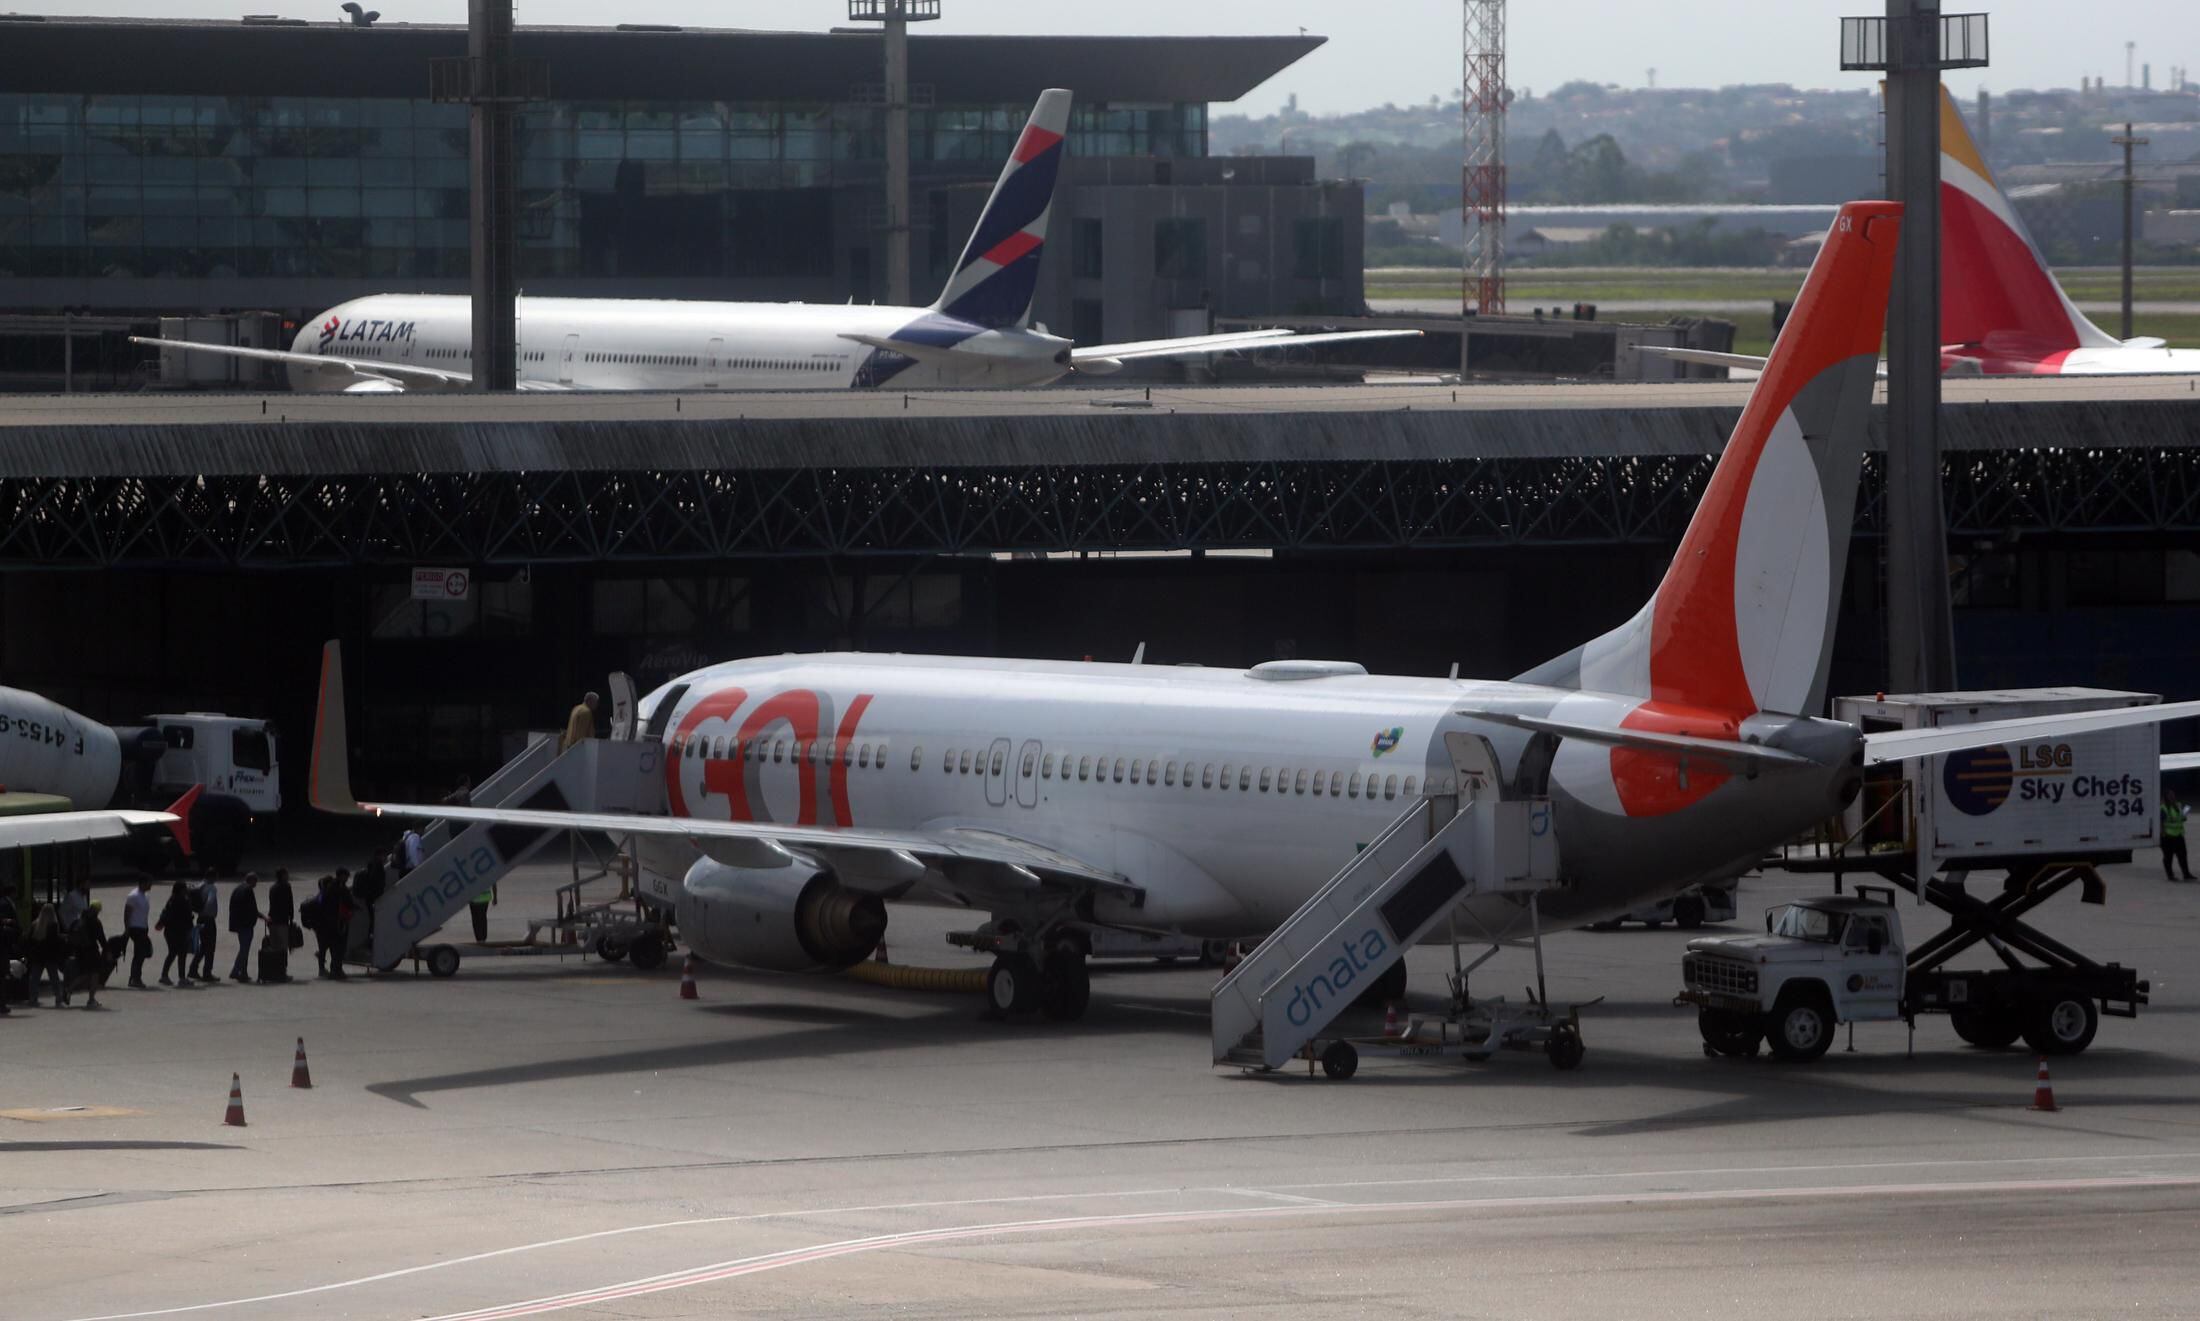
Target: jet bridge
1438, 855
596, 775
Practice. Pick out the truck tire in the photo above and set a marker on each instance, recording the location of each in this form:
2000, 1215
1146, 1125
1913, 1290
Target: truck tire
1688, 912
2062, 1025
1726, 1032
1800, 1026
1987, 1029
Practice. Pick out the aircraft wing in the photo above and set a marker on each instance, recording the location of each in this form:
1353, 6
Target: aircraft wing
1098, 356
1734, 756
937, 354
402, 375
1902, 744
22, 832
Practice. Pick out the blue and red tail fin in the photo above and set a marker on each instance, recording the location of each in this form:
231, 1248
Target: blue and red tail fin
993, 284
1743, 620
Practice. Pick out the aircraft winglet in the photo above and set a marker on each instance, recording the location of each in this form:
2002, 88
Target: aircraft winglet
329, 777
181, 811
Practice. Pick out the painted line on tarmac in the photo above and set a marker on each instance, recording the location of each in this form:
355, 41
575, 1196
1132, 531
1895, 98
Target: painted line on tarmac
1278, 1191
1954, 1162
754, 1265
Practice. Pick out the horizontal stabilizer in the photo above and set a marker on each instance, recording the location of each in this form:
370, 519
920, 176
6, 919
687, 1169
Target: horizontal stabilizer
1229, 341
1902, 744
33, 829
1736, 756
1705, 357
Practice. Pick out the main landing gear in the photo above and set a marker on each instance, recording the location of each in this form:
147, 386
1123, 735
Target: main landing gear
1058, 986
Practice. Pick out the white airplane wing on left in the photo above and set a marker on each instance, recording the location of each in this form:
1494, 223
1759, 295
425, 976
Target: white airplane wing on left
402, 376
2181, 761
1881, 746
1107, 357
22, 832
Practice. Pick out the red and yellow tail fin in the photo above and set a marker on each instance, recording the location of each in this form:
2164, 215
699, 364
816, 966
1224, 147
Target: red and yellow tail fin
1995, 286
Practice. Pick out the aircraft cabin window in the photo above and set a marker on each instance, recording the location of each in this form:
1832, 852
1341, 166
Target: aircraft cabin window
947, 762
1207, 777
878, 762
1409, 786
1000, 759
1168, 776
1188, 774
1137, 770
1084, 768
718, 750
863, 756
1226, 768
1264, 779
1336, 784
779, 750
1352, 787
1119, 770
1030, 759
1299, 785
916, 758
1245, 778
1390, 786
1046, 767
1317, 784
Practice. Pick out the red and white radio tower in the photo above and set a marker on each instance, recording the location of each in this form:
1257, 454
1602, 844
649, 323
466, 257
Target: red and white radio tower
1482, 190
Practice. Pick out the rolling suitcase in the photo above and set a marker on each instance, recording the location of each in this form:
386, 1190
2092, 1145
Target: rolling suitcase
275, 958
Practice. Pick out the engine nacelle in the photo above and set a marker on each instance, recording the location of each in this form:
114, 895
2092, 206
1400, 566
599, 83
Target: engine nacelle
795, 918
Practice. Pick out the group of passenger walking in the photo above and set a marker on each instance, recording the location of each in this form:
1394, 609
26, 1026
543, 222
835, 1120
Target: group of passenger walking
66, 948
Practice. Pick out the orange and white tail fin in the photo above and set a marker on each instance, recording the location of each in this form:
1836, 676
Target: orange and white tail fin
1995, 288
1743, 620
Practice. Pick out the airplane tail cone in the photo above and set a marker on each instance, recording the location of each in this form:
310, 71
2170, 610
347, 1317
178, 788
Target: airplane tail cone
687, 979
2043, 1091
235, 1117
299, 1076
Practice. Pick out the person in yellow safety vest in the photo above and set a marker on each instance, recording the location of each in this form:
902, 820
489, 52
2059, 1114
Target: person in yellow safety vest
581, 722
2173, 837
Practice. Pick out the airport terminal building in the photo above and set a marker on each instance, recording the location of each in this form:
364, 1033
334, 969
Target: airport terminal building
274, 164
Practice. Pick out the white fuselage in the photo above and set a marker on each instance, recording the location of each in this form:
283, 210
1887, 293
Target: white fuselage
1228, 798
653, 344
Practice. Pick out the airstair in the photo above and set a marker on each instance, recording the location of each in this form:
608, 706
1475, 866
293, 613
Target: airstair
460, 861
1438, 854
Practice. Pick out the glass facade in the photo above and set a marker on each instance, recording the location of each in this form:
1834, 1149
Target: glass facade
241, 187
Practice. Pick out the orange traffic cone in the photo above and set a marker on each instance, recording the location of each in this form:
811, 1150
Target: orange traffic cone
2043, 1091
687, 979
235, 1117
1391, 1026
298, 1075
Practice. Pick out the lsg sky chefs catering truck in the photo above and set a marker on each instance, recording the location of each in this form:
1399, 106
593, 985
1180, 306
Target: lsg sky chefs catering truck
2043, 814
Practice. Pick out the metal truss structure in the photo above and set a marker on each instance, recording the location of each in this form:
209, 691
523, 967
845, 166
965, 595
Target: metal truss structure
500, 517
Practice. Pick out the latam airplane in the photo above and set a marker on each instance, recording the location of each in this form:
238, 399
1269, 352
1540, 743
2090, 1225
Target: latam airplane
804, 791
978, 333
2001, 311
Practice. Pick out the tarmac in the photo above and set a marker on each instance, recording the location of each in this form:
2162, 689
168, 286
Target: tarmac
555, 1134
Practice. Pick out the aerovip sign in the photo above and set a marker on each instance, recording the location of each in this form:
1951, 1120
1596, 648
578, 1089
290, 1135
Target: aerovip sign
442, 584
2089, 794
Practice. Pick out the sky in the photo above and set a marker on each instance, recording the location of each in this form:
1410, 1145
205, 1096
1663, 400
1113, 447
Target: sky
1407, 50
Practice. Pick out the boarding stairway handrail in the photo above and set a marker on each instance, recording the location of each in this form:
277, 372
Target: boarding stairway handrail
594, 775
1378, 905
501, 786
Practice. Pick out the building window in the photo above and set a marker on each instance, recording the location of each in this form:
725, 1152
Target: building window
1180, 248
1086, 260
1317, 248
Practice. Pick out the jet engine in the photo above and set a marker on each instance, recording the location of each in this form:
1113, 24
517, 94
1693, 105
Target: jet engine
795, 918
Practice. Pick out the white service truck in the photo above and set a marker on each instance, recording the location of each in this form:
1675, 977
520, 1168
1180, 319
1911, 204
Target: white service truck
2043, 813
47, 748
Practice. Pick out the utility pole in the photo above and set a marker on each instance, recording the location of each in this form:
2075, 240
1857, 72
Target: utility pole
1912, 44
2127, 142
894, 18
493, 85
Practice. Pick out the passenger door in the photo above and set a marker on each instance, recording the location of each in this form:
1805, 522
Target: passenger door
566, 355
714, 354
997, 771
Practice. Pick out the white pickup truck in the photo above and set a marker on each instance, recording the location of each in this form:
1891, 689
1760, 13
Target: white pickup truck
1841, 959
